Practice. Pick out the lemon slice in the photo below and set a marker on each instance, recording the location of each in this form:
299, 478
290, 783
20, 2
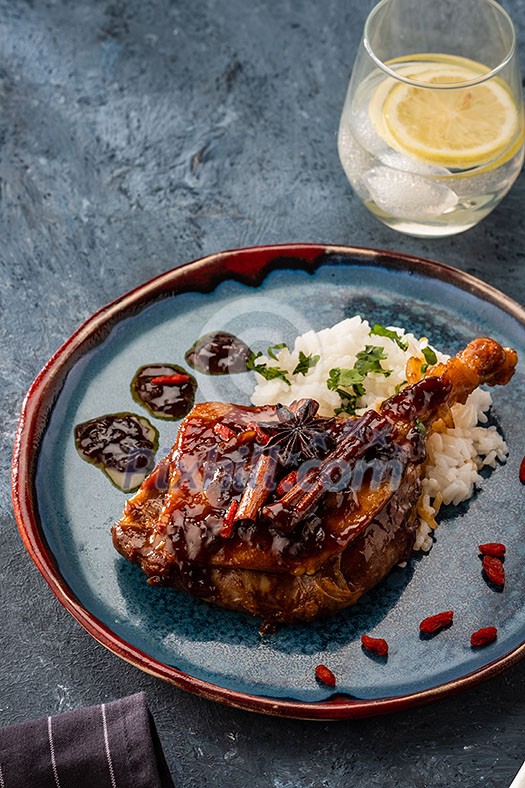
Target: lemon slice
453, 127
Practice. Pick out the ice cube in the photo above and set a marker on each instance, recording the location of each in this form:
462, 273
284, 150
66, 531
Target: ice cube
398, 161
406, 195
365, 132
354, 160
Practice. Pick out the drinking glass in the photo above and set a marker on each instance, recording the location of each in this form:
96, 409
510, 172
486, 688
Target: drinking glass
431, 133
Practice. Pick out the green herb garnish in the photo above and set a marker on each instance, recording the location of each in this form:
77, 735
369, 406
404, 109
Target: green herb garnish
430, 356
368, 360
345, 377
348, 403
305, 363
275, 349
381, 331
420, 427
347, 406
268, 373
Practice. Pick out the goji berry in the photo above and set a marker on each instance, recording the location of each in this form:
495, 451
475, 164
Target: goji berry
377, 646
483, 636
434, 623
494, 570
522, 471
325, 675
496, 549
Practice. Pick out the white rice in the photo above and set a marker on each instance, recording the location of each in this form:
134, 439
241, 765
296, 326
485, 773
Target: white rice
455, 454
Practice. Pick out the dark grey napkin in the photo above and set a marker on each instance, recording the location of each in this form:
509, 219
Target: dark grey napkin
113, 745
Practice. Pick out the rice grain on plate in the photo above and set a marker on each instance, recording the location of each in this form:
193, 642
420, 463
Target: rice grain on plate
455, 453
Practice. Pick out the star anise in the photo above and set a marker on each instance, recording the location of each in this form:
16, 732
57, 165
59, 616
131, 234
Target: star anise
298, 433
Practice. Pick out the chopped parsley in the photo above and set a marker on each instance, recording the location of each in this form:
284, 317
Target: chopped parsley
430, 356
348, 403
420, 427
275, 349
367, 360
347, 406
345, 377
268, 373
305, 363
381, 331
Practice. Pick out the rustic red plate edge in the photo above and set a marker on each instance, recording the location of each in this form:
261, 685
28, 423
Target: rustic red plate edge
249, 265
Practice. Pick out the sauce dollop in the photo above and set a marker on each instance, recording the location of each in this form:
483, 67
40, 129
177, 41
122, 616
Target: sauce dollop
166, 390
220, 353
122, 445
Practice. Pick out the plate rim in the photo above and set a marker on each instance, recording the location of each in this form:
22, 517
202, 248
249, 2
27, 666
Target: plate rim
44, 390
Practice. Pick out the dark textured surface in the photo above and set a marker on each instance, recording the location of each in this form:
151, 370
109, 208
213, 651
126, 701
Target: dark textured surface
139, 135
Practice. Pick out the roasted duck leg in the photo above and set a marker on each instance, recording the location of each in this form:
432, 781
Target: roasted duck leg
289, 516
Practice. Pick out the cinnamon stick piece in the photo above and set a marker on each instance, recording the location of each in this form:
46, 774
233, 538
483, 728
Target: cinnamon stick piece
260, 484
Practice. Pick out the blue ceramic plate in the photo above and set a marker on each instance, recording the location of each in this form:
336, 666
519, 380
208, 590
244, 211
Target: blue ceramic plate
65, 507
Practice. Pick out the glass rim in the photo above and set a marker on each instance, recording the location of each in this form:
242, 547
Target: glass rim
449, 85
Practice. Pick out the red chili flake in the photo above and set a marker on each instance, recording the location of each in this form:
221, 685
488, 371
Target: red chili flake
377, 646
494, 570
522, 471
286, 483
170, 380
224, 432
229, 519
325, 675
483, 636
496, 549
434, 623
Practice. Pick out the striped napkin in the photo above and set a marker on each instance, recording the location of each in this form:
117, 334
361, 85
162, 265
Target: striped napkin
113, 745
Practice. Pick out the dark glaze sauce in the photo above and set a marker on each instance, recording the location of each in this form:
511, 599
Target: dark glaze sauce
207, 473
171, 398
211, 473
220, 353
422, 400
122, 445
